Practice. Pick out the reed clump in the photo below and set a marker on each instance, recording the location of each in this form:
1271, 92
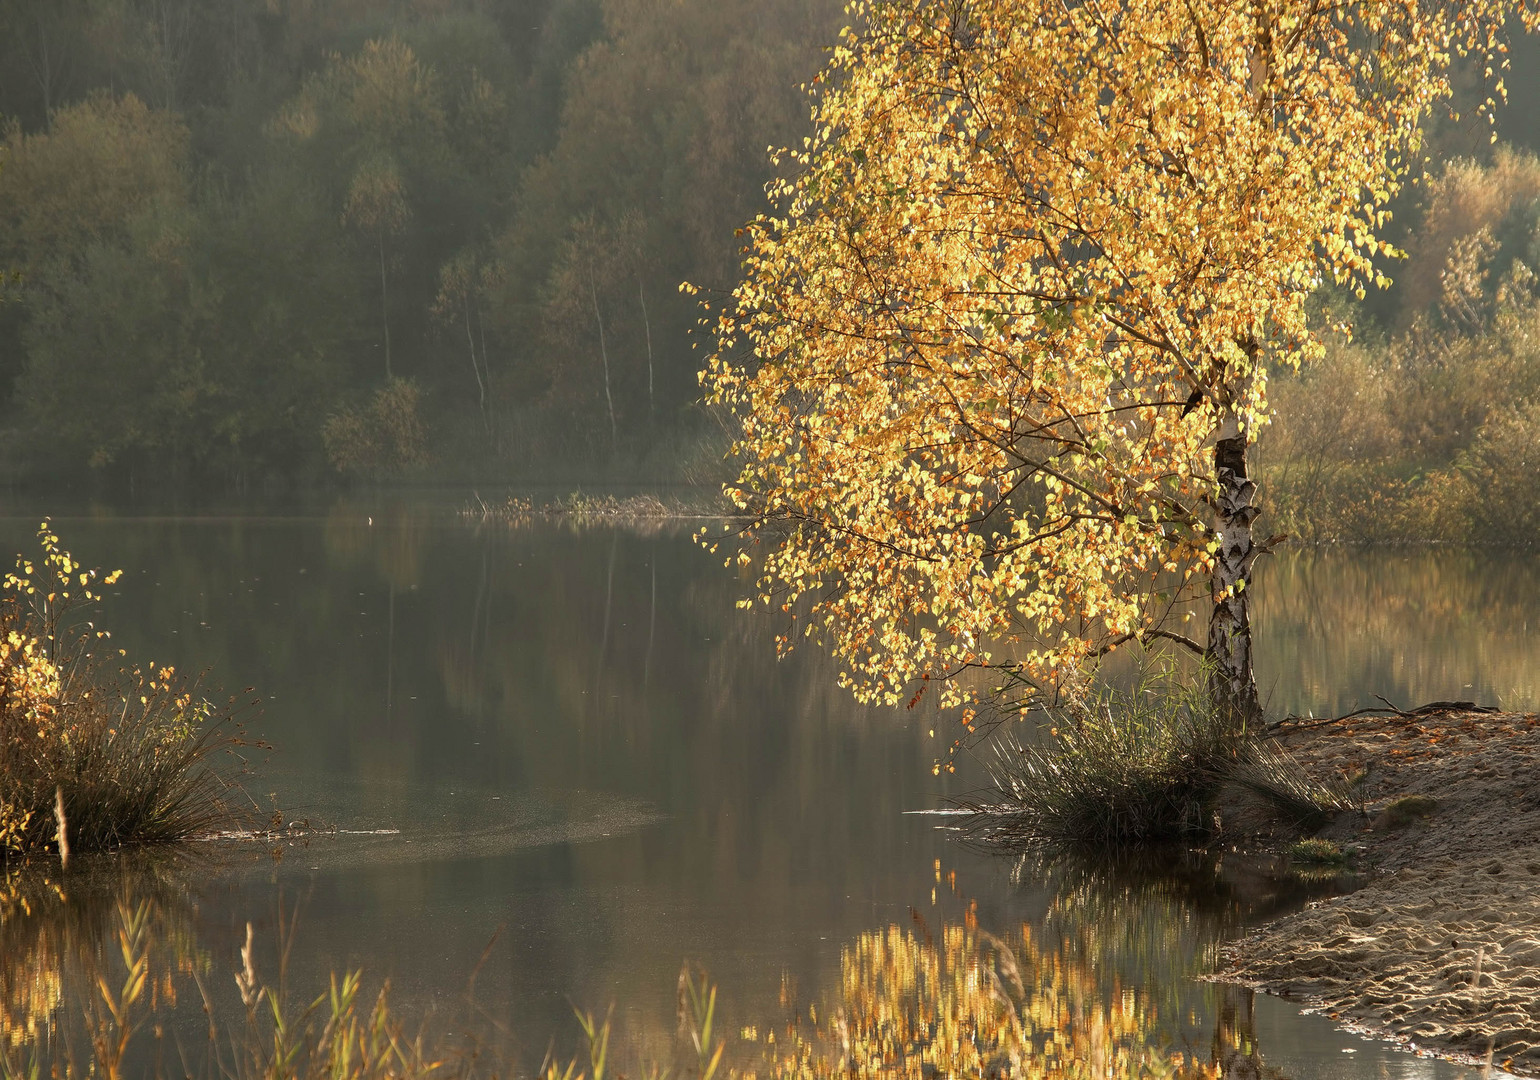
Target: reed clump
95, 752
1118, 768
1315, 851
575, 507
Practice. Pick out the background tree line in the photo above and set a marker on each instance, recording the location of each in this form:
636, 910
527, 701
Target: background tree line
1425, 425
260, 239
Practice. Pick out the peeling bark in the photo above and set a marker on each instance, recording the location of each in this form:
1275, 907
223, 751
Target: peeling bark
1232, 683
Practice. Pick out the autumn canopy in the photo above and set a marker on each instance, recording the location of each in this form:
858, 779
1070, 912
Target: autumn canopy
1002, 344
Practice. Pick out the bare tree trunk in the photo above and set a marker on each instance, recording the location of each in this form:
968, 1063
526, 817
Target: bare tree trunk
481, 386
384, 304
1232, 683
171, 23
493, 432
641, 293
481, 332
41, 62
604, 355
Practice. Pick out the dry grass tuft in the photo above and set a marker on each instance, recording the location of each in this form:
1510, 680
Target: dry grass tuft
1137, 767
95, 753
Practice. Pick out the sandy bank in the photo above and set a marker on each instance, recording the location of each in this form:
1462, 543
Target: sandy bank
1442, 947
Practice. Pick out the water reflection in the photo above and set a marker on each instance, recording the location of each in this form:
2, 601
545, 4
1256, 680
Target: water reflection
1097, 982
1158, 916
60, 934
574, 735
1338, 626
960, 1001
909, 1000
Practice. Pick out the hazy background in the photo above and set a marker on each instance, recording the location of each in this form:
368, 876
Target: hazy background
201, 197
259, 244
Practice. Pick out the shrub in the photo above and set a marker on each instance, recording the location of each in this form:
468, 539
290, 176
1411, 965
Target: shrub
1124, 768
1404, 811
1315, 851
1502, 467
103, 755
1268, 772
386, 438
1117, 768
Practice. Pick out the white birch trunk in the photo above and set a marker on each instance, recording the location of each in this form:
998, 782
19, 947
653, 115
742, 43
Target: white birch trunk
481, 386
641, 292
1232, 683
604, 355
384, 304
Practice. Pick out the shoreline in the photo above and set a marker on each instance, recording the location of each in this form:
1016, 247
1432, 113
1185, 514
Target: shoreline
1440, 949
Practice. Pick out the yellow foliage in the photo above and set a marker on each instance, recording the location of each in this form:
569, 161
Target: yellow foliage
122, 751
1035, 259
967, 1003
1465, 200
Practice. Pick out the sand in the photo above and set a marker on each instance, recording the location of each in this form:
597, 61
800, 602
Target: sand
1442, 947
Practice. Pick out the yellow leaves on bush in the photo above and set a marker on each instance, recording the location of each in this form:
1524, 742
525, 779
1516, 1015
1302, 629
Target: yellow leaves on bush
13, 827
29, 682
65, 725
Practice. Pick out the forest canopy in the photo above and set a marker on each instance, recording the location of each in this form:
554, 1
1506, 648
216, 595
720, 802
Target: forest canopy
214, 213
236, 226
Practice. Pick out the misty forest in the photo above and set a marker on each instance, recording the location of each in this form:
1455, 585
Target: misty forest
258, 240
261, 242
769, 538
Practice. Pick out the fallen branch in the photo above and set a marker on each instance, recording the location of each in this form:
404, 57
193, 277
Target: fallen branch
1300, 723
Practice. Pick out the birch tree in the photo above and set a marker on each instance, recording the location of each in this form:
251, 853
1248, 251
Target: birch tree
377, 206
379, 116
463, 283
1001, 347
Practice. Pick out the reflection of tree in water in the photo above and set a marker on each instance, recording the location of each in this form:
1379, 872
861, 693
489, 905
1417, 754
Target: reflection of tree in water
1235, 1049
963, 1002
1154, 919
57, 947
1165, 910
1335, 627
1052, 1002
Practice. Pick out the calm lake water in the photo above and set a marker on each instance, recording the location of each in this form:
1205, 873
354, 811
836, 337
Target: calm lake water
571, 740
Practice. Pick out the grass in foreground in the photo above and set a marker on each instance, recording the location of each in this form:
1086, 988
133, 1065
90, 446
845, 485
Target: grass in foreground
94, 753
910, 1002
